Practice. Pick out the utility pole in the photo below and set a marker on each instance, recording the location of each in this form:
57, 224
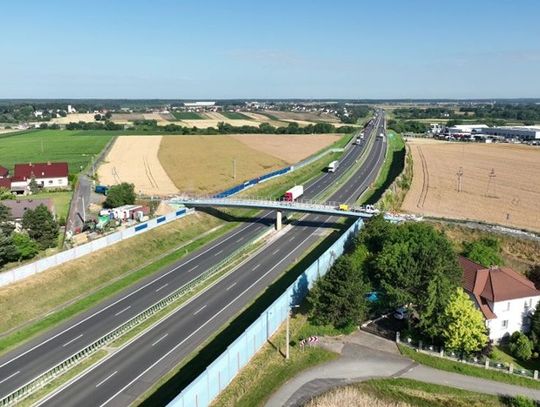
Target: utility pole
287, 333
491, 180
460, 176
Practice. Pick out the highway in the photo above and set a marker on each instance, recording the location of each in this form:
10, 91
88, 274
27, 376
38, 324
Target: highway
128, 373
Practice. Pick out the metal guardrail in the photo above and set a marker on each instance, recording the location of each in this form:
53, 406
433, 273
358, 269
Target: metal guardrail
56, 371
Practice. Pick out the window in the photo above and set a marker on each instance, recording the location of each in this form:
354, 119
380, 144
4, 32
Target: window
505, 324
50, 181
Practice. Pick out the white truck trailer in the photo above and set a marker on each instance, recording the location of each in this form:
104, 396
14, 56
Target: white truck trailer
294, 193
333, 166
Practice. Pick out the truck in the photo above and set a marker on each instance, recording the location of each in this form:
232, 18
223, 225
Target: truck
381, 135
294, 193
101, 189
333, 166
343, 207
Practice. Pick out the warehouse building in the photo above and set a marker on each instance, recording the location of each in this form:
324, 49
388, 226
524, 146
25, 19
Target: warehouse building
524, 133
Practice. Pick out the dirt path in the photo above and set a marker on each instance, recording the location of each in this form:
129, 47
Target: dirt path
135, 159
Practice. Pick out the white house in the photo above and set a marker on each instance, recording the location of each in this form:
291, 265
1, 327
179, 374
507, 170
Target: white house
506, 298
47, 175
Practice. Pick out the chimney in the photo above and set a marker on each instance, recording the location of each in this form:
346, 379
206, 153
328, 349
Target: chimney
48, 163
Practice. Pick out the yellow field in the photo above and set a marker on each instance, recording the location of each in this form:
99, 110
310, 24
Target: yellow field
204, 164
499, 182
74, 117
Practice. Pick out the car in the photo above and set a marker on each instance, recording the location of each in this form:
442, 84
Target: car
401, 313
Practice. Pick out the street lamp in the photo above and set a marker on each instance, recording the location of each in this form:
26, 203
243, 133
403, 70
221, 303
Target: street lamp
287, 335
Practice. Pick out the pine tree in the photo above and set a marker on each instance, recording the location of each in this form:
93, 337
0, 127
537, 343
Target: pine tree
8, 252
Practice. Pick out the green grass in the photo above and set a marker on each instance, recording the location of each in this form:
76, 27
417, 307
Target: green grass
173, 383
74, 147
53, 319
502, 354
423, 394
465, 369
236, 116
390, 170
187, 116
270, 116
61, 200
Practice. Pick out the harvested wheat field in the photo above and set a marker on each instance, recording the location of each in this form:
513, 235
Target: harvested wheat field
265, 119
204, 164
289, 148
74, 117
135, 159
351, 397
305, 117
500, 182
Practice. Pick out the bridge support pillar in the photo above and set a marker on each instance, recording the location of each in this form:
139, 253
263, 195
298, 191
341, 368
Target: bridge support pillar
278, 220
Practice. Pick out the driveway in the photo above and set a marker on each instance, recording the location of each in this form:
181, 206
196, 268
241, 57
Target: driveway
365, 356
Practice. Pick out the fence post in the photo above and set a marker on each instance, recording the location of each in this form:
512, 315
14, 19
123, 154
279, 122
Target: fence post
511, 368
442, 352
420, 345
397, 337
536, 374
486, 364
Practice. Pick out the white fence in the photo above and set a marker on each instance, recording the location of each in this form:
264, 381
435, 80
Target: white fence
13, 275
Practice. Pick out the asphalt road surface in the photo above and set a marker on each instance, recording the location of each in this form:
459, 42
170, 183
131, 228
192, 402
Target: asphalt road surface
24, 364
131, 371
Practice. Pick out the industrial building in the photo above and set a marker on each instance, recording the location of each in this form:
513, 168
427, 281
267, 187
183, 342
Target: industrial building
524, 133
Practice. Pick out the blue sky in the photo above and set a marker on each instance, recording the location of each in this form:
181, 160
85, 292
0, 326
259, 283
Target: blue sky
270, 49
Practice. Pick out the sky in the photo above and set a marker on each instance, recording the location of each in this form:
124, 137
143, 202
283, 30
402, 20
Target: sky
187, 49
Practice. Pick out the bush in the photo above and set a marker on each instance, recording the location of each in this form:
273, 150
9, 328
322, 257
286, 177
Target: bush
121, 194
522, 401
520, 346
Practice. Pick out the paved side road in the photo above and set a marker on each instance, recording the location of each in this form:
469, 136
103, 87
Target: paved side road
365, 356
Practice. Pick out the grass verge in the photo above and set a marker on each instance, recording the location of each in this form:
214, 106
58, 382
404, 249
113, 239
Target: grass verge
72, 288
393, 166
172, 384
268, 369
465, 369
422, 394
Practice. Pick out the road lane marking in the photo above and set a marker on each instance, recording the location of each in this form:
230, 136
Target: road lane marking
160, 339
231, 286
193, 268
291, 238
239, 239
200, 327
218, 253
107, 378
275, 252
73, 340
200, 309
134, 292
162, 287
257, 266
10, 376
124, 310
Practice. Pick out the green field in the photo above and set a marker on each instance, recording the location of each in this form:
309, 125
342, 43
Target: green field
74, 147
236, 116
187, 116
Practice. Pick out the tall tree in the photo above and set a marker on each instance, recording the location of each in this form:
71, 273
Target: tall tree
465, 330
41, 226
121, 194
8, 251
485, 251
26, 246
418, 266
338, 298
5, 220
535, 326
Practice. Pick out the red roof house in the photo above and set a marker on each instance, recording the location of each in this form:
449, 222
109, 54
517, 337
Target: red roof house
505, 297
4, 172
41, 170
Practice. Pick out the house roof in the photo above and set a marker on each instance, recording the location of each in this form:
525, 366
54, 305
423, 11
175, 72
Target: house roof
494, 284
40, 170
3, 171
5, 183
19, 206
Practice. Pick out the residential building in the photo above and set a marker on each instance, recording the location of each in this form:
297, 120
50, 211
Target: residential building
18, 207
4, 172
506, 298
47, 175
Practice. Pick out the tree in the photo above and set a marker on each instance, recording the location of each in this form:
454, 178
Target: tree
338, 298
417, 266
535, 326
33, 185
108, 115
520, 346
533, 274
97, 117
121, 194
8, 252
484, 251
41, 226
5, 217
464, 330
26, 247
5, 193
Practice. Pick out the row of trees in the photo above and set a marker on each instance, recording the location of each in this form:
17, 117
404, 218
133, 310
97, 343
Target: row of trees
410, 126
410, 265
107, 125
39, 232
